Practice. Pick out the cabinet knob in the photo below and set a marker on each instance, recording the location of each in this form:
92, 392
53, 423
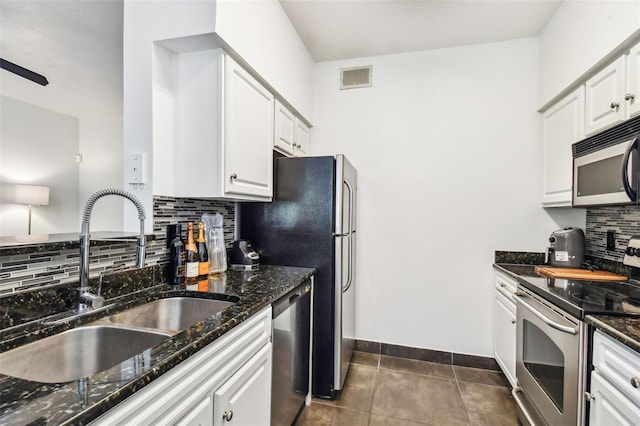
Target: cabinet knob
635, 382
614, 105
513, 321
503, 285
629, 97
233, 176
589, 396
228, 415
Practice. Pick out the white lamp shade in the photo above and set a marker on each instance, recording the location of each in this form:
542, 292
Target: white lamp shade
32, 194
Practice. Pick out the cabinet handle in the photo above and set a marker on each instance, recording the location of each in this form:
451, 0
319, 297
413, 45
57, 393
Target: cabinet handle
233, 176
589, 396
614, 105
629, 97
635, 382
228, 415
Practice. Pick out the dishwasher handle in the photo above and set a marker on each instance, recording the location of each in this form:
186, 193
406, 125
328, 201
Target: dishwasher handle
289, 299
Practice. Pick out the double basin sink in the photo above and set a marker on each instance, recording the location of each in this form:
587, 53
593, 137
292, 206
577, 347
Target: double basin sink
83, 351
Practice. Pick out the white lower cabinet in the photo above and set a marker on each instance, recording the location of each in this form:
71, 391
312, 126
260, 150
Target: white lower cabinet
615, 383
241, 398
228, 380
505, 327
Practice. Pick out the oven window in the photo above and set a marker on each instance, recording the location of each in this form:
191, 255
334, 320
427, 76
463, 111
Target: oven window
545, 361
601, 177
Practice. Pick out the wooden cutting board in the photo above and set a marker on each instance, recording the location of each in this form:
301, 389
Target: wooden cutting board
579, 274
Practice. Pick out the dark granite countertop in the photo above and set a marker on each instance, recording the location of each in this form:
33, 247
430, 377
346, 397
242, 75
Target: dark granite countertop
625, 330
81, 401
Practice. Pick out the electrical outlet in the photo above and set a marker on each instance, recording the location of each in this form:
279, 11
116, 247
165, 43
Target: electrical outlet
611, 240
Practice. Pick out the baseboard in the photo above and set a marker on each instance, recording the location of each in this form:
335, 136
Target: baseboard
441, 357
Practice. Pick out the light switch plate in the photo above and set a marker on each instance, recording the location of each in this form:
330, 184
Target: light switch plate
135, 172
632, 254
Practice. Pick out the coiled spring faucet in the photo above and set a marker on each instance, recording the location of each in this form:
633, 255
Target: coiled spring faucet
87, 299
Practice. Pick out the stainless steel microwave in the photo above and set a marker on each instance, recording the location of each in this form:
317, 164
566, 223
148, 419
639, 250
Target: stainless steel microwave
607, 173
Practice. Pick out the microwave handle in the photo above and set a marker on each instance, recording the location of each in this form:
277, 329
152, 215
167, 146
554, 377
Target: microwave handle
633, 195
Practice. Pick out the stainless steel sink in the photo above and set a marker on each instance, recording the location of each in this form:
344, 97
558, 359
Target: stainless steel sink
174, 313
77, 353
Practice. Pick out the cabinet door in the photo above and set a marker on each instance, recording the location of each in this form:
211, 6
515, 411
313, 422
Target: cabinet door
505, 337
200, 415
632, 96
245, 399
248, 134
302, 139
284, 140
608, 406
562, 125
605, 104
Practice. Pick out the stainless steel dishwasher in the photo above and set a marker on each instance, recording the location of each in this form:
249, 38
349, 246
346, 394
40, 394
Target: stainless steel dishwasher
291, 340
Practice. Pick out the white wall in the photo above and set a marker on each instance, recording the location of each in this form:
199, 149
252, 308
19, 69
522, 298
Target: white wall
578, 35
171, 19
102, 167
447, 147
42, 154
261, 33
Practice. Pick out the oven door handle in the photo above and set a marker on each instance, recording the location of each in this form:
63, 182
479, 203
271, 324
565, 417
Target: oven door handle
516, 396
537, 313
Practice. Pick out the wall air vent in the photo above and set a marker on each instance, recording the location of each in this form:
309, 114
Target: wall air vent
355, 77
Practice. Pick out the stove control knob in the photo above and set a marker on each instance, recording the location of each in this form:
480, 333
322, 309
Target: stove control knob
629, 251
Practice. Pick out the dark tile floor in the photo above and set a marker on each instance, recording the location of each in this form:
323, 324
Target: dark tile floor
383, 390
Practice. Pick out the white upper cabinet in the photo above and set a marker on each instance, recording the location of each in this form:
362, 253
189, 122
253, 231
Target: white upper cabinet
562, 125
632, 95
213, 128
285, 131
605, 92
291, 133
302, 139
248, 134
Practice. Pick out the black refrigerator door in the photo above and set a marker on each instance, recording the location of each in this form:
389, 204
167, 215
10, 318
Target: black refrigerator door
296, 229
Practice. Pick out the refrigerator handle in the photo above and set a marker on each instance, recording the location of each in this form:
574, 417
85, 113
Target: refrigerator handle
348, 184
349, 267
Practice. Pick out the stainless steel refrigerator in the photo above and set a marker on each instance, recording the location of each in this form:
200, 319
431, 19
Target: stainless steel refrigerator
312, 222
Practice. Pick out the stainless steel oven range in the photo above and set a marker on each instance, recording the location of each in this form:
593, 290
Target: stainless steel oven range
552, 354
550, 363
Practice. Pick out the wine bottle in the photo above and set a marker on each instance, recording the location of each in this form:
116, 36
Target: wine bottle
176, 253
203, 253
191, 270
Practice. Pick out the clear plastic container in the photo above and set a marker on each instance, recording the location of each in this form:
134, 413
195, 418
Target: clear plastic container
214, 234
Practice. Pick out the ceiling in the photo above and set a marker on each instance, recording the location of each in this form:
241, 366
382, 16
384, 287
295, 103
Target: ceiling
76, 45
342, 29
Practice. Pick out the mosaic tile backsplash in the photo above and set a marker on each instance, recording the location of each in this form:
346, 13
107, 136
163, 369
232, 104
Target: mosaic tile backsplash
45, 267
41, 268
623, 220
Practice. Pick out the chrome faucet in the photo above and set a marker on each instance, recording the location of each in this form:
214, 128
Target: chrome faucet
86, 299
